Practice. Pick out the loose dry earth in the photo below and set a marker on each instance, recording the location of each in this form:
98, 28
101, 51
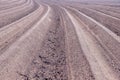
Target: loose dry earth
41, 40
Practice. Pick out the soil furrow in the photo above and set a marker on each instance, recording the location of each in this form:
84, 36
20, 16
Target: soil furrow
50, 62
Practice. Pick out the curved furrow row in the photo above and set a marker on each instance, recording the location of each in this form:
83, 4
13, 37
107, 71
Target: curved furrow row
28, 2
77, 63
112, 9
10, 33
45, 40
50, 61
110, 22
101, 10
17, 13
12, 4
104, 7
106, 40
22, 52
4, 2
117, 15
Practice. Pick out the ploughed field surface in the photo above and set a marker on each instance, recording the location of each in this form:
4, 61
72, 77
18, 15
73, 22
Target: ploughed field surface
43, 40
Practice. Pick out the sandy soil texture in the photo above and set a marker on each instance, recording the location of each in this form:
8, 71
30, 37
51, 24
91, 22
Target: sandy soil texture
47, 40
